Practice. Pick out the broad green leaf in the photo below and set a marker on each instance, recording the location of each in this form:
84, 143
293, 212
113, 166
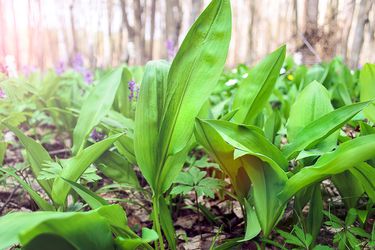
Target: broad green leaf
261, 161
117, 168
312, 103
367, 89
315, 217
350, 194
95, 107
166, 223
36, 155
3, 148
252, 223
321, 128
346, 156
92, 199
14, 224
267, 183
254, 91
74, 167
365, 175
195, 70
223, 153
84, 231
272, 125
148, 116
251, 138
42, 204
46, 240
125, 146
148, 235
122, 103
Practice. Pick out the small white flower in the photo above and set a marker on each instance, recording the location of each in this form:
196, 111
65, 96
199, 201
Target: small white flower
297, 57
231, 82
10, 66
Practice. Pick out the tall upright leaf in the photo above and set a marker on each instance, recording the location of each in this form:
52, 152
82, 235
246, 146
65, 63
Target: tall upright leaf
74, 167
261, 161
312, 103
98, 103
36, 155
346, 156
150, 106
367, 89
321, 128
195, 70
255, 90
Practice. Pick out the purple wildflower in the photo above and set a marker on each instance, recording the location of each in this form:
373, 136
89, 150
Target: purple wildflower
77, 62
88, 76
60, 68
132, 88
28, 70
97, 136
2, 94
171, 50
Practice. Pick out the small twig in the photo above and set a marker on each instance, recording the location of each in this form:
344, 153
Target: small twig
310, 47
59, 151
9, 199
198, 212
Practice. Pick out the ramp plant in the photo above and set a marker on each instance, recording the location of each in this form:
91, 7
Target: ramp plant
277, 132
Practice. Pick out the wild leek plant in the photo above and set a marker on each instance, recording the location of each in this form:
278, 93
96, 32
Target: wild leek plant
259, 170
170, 99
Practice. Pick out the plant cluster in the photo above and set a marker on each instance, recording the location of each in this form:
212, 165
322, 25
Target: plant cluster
272, 133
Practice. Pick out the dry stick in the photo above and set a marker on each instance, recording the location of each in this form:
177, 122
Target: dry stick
310, 47
9, 199
198, 212
59, 151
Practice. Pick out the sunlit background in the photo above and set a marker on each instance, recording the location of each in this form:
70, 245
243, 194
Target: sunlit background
44, 33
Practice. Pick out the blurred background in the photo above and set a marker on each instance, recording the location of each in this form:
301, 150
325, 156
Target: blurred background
46, 33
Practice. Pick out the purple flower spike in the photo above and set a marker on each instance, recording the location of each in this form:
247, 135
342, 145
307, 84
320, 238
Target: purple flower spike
88, 76
97, 136
132, 88
60, 68
77, 62
171, 50
2, 94
28, 70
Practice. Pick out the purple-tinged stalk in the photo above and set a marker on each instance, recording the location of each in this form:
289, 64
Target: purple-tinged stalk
97, 136
171, 49
28, 70
78, 65
60, 68
133, 91
2, 94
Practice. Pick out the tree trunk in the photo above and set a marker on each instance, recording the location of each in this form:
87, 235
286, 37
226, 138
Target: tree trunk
152, 30
251, 32
72, 26
362, 19
3, 31
347, 27
140, 43
109, 27
173, 26
15, 37
196, 7
311, 21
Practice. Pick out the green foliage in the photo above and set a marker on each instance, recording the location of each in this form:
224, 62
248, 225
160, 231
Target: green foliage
275, 130
194, 180
347, 235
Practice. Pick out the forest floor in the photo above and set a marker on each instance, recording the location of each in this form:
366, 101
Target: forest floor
219, 219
